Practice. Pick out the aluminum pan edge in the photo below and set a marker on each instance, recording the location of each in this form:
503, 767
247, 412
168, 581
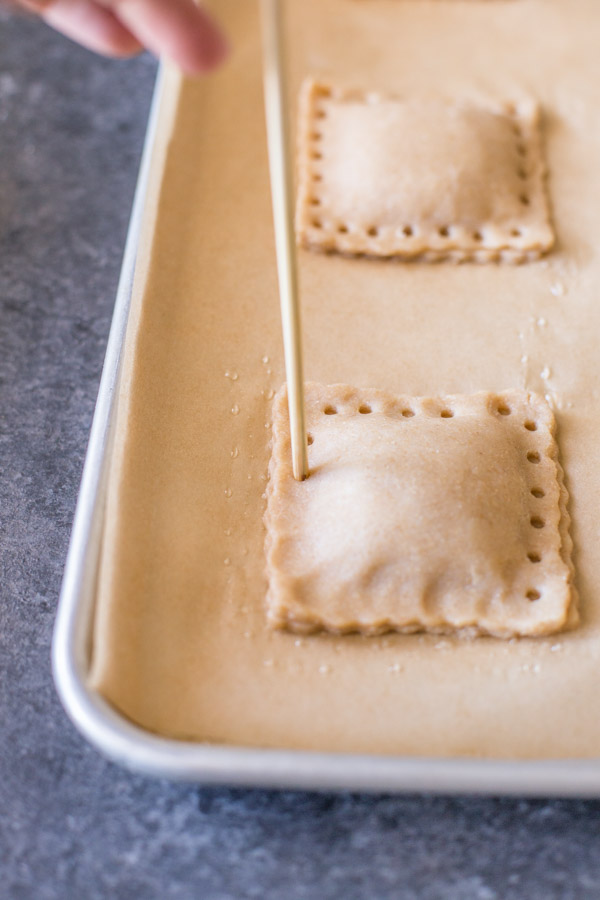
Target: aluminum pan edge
120, 740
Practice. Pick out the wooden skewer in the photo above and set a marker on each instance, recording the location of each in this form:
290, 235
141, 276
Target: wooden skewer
282, 199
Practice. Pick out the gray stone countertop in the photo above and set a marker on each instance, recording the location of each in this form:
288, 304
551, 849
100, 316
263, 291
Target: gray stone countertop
71, 824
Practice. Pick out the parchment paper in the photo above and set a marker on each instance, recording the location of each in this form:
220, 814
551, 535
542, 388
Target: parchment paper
181, 644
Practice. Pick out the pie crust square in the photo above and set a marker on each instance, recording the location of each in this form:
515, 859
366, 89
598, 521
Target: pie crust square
387, 176
436, 514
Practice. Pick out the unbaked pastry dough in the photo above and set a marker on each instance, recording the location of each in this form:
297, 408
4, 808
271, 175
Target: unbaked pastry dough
434, 513
386, 176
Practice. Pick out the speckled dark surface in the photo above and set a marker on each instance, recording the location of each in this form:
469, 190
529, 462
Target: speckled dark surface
71, 824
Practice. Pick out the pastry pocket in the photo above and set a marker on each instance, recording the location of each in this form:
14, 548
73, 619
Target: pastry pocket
432, 514
386, 176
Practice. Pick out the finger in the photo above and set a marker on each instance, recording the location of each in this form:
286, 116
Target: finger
178, 29
87, 23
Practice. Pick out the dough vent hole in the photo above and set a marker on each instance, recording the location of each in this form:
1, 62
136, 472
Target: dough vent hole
538, 493
317, 223
364, 409
310, 439
477, 236
342, 229
531, 426
446, 414
524, 199
330, 411
533, 594
536, 522
373, 231
533, 457
503, 409
408, 413
407, 231
534, 557
444, 232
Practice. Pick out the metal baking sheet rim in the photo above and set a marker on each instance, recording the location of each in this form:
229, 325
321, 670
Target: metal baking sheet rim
133, 747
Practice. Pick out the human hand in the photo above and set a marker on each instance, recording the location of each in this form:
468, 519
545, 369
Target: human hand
177, 29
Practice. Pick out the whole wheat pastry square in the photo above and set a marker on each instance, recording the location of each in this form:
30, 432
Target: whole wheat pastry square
420, 177
435, 514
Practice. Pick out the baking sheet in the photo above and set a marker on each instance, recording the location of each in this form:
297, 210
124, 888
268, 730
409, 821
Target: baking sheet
180, 644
